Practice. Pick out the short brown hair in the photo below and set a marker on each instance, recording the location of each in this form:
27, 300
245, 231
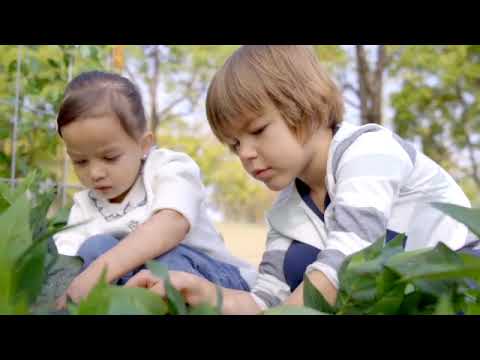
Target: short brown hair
288, 77
95, 94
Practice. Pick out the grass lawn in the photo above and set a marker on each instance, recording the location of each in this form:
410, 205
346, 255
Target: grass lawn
247, 241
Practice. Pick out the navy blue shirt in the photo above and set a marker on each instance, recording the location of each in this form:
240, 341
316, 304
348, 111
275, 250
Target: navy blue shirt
300, 255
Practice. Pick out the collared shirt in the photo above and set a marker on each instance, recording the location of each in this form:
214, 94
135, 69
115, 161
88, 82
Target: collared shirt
169, 180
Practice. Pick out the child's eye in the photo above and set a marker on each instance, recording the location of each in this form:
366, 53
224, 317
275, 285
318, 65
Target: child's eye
112, 158
259, 131
234, 147
80, 162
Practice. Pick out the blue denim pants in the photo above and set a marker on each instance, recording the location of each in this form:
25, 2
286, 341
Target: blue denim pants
180, 258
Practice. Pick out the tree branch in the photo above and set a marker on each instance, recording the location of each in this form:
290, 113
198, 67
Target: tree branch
470, 145
132, 77
169, 107
348, 86
352, 103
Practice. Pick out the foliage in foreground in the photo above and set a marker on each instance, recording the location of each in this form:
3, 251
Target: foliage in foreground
381, 279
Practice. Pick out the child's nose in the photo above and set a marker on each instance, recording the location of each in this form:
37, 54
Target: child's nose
247, 151
97, 172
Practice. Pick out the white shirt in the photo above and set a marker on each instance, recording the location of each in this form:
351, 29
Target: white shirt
376, 181
169, 180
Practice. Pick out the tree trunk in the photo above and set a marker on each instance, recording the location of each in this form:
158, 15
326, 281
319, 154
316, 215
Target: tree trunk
153, 88
370, 84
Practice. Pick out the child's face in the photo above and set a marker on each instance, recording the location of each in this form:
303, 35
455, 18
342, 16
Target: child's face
271, 153
105, 158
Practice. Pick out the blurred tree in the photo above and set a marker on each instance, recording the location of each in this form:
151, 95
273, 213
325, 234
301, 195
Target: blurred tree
360, 72
439, 104
175, 77
44, 74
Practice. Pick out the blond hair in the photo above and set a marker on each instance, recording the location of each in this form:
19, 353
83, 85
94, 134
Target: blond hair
288, 77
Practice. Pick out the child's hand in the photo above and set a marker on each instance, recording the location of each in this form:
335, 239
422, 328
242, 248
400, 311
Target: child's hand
78, 289
195, 289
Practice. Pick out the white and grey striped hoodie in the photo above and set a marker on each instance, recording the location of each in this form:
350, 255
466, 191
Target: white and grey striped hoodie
375, 180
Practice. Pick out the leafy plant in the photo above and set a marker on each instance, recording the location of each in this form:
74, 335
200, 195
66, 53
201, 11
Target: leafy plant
381, 279
385, 280
106, 299
33, 275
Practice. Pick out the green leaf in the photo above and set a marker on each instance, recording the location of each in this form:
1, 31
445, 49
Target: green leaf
29, 272
135, 301
361, 282
312, 298
389, 303
439, 263
15, 224
467, 216
98, 300
386, 280
204, 309
292, 310
176, 302
436, 288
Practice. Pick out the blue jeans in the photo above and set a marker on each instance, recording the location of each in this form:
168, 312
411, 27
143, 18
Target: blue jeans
180, 258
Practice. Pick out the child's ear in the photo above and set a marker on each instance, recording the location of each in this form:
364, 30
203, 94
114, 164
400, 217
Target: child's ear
146, 142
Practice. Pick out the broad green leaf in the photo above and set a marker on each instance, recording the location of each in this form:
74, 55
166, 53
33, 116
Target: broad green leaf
15, 224
439, 263
292, 310
386, 280
313, 299
98, 300
467, 216
389, 303
361, 279
436, 288
135, 301
29, 272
